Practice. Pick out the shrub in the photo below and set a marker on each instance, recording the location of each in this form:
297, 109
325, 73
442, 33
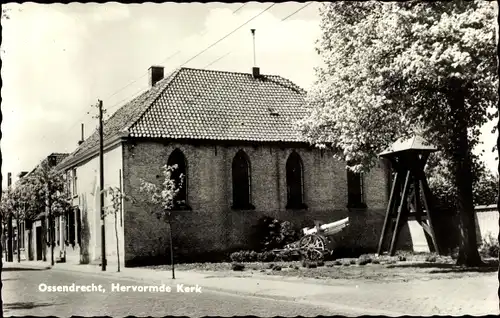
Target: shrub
431, 258
270, 233
286, 256
266, 256
237, 267
235, 257
490, 247
364, 259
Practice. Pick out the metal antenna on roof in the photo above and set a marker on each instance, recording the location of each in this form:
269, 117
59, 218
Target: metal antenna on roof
254, 60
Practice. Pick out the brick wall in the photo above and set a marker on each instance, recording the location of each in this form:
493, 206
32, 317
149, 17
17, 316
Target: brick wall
213, 226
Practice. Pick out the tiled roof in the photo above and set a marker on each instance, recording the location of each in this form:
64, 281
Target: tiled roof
59, 158
209, 105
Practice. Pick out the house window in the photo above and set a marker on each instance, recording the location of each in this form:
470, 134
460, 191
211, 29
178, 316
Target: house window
241, 181
355, 193
75, 189
179, 176
295, 182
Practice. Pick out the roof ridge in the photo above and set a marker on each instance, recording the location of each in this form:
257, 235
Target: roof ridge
167, 80
293, 85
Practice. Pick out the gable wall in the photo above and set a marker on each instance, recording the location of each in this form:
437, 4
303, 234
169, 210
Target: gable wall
87, 199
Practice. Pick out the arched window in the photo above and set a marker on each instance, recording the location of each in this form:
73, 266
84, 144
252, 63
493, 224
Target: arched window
241, 181
177, 158
355, 195
295, 182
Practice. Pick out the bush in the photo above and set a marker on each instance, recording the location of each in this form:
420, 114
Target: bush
364, 259
431, 258
490, 247
270, 233
237, 267
266, 256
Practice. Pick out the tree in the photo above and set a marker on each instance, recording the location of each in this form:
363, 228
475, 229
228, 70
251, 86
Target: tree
17, 204
394, 69
5, 214
117, 197
163, 199
49, 193
440, 178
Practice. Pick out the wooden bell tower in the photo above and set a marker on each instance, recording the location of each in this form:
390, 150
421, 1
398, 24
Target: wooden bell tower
409, 190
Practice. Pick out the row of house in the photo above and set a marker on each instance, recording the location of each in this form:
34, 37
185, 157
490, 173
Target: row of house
233, 138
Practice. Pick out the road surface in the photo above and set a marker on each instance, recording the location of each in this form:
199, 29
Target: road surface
28, 292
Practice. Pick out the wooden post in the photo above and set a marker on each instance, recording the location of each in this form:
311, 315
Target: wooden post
402, 209
101, 187
390, 207
430, 219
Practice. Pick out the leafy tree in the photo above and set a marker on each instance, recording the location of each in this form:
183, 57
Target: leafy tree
48, 193
394, 69
16, 203
440, 178
163, 200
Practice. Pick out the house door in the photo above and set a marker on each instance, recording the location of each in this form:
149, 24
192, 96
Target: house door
39, 249
30, 245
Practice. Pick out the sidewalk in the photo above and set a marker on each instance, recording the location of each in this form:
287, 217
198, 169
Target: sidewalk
465, 296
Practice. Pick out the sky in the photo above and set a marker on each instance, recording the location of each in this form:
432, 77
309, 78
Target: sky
59, 59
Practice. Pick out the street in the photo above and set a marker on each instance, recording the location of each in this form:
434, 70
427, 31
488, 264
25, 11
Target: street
22, 297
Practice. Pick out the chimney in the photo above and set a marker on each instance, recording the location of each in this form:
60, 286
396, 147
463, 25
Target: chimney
22, 174
255, 72
52, 160
255, 69
82, 138
9, 179
156, 74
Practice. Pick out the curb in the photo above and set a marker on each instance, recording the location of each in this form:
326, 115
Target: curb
330, 305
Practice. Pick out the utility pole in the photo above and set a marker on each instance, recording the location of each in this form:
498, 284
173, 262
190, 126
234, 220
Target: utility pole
101, 188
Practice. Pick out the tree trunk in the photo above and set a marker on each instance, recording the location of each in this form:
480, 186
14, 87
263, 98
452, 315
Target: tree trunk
462, 169
44, 238
18, 240
117, 243
9, 239
1, 265
171, 248
52, 238
497, 31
